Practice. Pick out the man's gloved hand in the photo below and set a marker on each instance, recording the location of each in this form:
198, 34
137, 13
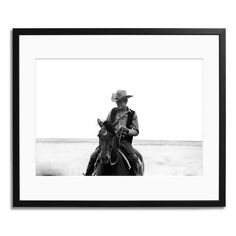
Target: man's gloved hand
123, 131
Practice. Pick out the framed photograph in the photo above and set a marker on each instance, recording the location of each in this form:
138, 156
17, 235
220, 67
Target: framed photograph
119, 117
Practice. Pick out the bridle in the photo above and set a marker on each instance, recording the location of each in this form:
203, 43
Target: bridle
115, 136
115, 144
118, 151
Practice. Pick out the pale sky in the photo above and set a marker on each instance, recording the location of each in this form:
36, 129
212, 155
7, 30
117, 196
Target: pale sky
72, 93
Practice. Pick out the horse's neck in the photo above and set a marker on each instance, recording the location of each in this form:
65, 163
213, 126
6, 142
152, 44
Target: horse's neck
116, 144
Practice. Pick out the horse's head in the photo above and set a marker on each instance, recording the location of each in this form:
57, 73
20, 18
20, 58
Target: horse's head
107, 141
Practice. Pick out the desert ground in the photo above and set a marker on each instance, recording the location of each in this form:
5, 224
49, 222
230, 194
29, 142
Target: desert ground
67, 157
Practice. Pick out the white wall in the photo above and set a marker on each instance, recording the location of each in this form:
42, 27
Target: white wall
182, 13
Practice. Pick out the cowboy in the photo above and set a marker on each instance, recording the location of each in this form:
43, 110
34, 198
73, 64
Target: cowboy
127, 127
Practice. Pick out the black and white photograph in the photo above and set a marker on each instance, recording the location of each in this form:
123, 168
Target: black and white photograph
120, 108
151, 127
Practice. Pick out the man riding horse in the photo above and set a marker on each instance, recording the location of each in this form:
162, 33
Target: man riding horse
126, 127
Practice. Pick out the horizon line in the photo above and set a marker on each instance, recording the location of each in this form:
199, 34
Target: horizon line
135, 141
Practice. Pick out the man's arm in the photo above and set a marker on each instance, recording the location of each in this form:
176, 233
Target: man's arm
134, 131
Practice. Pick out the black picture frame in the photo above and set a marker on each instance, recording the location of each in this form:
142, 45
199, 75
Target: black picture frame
16, 33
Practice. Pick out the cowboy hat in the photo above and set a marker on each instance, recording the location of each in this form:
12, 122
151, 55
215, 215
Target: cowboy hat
120, 94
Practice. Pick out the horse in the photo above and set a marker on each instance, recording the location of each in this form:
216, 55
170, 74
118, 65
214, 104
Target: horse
111, 160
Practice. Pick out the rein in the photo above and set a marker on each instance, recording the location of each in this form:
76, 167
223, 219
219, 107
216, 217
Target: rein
113, 163
118, 147
121, 133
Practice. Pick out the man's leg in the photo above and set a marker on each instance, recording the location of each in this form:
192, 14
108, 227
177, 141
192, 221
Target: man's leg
131, 155
92, 161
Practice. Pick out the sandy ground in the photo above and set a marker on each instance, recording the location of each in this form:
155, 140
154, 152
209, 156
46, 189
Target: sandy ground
71, 158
